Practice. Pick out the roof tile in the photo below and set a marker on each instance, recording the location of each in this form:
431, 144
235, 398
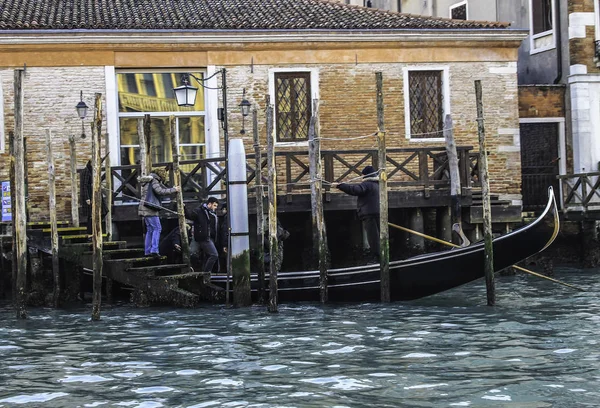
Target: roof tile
213, 15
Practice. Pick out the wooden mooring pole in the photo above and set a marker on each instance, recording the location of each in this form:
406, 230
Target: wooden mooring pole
19, 209
316, 199
455, 189
53, 222
108, 193
485, 192
384, 233
185, 245
74, 183
97, 208
13, 188
145, 146
260, 214
272, 182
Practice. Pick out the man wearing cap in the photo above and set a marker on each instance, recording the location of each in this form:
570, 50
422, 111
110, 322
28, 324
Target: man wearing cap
367, 206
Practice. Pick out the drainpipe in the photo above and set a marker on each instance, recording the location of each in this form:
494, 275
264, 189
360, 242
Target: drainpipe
559, 54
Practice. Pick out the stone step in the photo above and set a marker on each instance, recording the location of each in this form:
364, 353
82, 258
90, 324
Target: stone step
183, 276
120, 253
79, 237
157, 268
45, 224
64, 230
82, 246
139, 260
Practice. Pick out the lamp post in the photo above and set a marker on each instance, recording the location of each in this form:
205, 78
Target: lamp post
82, 108
186, 96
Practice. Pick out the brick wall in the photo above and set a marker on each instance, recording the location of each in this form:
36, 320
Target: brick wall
347, 109
542, 101
50, 96
582, 49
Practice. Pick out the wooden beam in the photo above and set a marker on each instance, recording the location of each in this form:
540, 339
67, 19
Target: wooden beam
384, 233
108, 191
260, 215
185, 245
485, 192
19, 209
53, 224
272, 183
74, 183
320, 249
97, 208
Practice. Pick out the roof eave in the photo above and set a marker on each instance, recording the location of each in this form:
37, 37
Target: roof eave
252, 36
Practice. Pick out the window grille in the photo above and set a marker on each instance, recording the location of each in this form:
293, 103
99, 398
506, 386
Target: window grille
426, 104
292, 106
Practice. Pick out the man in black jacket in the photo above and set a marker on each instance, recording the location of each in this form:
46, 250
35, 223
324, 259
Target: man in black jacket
367, 206
205, 231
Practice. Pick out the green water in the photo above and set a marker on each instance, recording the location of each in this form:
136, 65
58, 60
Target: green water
537, 348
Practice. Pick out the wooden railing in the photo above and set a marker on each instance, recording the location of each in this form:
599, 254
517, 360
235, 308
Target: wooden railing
580, 190
409, 168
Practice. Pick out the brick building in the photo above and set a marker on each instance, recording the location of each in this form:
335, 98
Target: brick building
134, 53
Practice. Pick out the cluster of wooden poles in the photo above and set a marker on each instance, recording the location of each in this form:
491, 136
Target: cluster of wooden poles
241, 292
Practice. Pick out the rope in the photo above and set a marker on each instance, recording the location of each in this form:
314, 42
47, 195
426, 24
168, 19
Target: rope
143, 201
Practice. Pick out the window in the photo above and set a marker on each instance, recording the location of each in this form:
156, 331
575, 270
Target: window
541, 25
426, 102
142, 93
293, 106
541, 15
458, 11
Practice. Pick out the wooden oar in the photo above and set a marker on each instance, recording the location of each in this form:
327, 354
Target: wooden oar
441, 241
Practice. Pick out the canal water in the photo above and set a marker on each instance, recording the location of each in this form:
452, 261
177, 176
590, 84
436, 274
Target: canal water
539, 347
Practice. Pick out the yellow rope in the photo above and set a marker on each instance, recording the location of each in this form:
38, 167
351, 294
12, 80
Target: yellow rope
441, 241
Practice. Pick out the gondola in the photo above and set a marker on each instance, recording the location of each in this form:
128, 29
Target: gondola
423, 275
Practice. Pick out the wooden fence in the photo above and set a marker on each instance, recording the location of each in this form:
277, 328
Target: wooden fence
407, 168
580, 191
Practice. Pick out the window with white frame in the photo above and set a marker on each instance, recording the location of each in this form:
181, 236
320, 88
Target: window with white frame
292, 91
141, 93
426, 102
459, 11
541, 25
2, 135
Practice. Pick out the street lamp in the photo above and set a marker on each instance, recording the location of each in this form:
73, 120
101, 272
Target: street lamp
245, 108
82, 108
186, 94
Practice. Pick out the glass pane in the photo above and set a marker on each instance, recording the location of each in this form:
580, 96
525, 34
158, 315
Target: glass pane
160, 132
130, 155
128, 131
191, 130
191, 152
153, 92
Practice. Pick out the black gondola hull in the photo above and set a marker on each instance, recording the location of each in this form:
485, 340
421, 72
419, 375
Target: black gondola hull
423, 275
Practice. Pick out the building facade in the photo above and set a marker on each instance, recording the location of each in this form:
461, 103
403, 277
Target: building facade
428, 66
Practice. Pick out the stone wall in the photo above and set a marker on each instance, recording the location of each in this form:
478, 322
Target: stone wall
542, 101
347, 110
582, 34
50, 96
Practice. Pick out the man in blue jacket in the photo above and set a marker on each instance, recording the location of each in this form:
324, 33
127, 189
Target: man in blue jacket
367, 206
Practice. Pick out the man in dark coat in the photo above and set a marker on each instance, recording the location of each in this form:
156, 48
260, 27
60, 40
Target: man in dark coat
206, 231
367, 206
